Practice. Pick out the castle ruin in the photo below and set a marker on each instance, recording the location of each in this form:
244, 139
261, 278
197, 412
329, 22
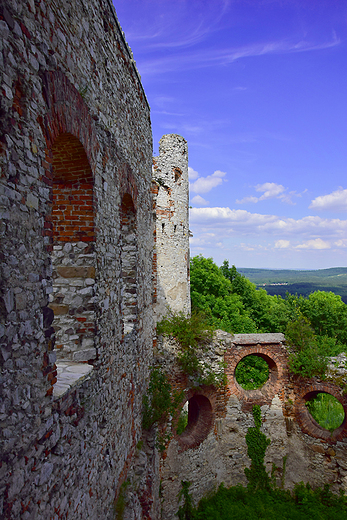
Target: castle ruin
94, 247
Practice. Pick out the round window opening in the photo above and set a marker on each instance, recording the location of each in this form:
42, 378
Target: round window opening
194, 422
252, 372
326, 410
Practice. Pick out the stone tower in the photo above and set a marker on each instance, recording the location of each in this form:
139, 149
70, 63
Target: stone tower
170, 173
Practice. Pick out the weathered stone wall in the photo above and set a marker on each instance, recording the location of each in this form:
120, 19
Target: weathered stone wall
75, 146
213, 448
171, 194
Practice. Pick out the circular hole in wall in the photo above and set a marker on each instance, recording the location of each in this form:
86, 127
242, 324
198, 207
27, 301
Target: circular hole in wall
195, 421
252, 372
326, 410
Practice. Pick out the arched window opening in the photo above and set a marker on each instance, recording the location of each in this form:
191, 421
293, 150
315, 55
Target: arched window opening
326, 410
73, 256
195, 421
252, 372
129, 264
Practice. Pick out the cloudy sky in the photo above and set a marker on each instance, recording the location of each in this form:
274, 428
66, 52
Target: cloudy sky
259, 90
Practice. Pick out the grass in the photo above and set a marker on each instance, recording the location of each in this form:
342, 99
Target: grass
239, 503
327, 411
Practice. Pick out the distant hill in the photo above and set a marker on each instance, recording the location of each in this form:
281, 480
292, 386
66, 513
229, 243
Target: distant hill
299, 282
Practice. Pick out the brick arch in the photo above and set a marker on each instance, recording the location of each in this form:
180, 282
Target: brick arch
277, 373
127, 184
201, 417
305, 392
67, 113
73, 187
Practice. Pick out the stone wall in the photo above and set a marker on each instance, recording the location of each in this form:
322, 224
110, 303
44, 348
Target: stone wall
171, 194
76, 218
212, 449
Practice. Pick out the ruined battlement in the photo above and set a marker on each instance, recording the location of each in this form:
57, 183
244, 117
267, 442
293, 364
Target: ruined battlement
171, 200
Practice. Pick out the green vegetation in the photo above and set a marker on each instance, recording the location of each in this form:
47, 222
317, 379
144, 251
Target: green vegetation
192, 333
257, 444
316, 326
182, 421
327, 411
120, 503
252, 372
159, 403
309, 355
262, 499
239, 503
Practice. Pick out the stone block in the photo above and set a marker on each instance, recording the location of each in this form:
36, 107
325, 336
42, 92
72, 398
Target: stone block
59, 309
84, 355
76, 272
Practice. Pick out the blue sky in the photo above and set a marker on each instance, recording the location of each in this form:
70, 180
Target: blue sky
259, 90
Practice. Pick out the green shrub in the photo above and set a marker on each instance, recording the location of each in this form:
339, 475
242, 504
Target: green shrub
309, 356
192, 333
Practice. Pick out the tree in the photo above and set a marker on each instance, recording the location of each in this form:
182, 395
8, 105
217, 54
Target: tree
213, 294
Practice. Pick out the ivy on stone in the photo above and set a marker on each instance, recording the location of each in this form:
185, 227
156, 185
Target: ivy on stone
257, 444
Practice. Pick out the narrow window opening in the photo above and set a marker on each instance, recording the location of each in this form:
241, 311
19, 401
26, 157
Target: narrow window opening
129, 264
73, 256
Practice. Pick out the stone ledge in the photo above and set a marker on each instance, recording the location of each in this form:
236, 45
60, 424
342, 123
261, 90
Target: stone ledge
255, 339
69, 374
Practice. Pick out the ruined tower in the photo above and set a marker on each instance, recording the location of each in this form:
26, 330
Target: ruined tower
170, 173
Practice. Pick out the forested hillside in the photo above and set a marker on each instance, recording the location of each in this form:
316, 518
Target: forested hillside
316, 325
281, 281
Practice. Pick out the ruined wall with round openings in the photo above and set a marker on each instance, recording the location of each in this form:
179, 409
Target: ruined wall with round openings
312, 453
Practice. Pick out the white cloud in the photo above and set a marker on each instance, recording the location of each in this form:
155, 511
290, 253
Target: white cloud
192, 174
205, 184
199, 201
231, 221
247, 199
317, 243
336, 201
270, 190
282, 244
189, 60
